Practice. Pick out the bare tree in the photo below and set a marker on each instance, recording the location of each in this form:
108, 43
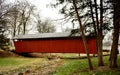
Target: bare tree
20, 16
4, 10
27, 11
14, 18
45, 26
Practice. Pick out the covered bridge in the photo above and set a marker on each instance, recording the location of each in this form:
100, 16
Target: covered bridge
53, 43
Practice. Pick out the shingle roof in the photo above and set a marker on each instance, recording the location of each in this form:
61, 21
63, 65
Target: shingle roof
51, 35
43, 35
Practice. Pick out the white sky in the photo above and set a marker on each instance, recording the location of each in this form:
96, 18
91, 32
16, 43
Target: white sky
49, 12
45, 11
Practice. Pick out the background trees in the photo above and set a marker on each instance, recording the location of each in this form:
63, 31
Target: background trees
45, 26
20, 15
97, 16
92, 17
19, 18
4, 10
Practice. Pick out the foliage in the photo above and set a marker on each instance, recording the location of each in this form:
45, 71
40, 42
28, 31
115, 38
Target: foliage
4, 8
84, 10
3, 41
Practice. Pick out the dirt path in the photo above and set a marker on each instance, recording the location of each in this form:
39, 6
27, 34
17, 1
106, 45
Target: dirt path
47, 69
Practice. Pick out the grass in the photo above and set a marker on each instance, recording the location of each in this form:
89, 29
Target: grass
68, 67
80, 67
71, 67
18, 63
12, 61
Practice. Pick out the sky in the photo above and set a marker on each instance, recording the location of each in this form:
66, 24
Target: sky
46, 11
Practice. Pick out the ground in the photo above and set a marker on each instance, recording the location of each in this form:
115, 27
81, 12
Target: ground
30, 65
7, 53
51, 64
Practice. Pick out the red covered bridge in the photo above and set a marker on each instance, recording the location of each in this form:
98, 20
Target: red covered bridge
53, 43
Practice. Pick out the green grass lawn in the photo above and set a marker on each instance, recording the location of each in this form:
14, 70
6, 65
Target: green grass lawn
68, 67
80, 67
18, 63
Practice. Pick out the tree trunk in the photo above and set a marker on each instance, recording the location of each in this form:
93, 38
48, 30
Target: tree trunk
14, 25
100, 55
114, 49
94, 25
100, 36
99, 32
83, 36
24, 27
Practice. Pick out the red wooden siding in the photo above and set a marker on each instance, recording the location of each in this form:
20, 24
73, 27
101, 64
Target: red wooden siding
55, 46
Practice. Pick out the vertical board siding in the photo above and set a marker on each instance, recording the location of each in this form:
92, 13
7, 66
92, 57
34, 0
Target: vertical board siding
55, 46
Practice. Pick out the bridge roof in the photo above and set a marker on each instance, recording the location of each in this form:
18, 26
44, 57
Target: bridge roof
50, 35
44, 35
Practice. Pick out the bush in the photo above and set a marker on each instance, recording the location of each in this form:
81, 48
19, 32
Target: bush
4, 42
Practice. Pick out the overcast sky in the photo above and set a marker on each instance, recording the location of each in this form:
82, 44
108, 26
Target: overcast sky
49, 12
46, 11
